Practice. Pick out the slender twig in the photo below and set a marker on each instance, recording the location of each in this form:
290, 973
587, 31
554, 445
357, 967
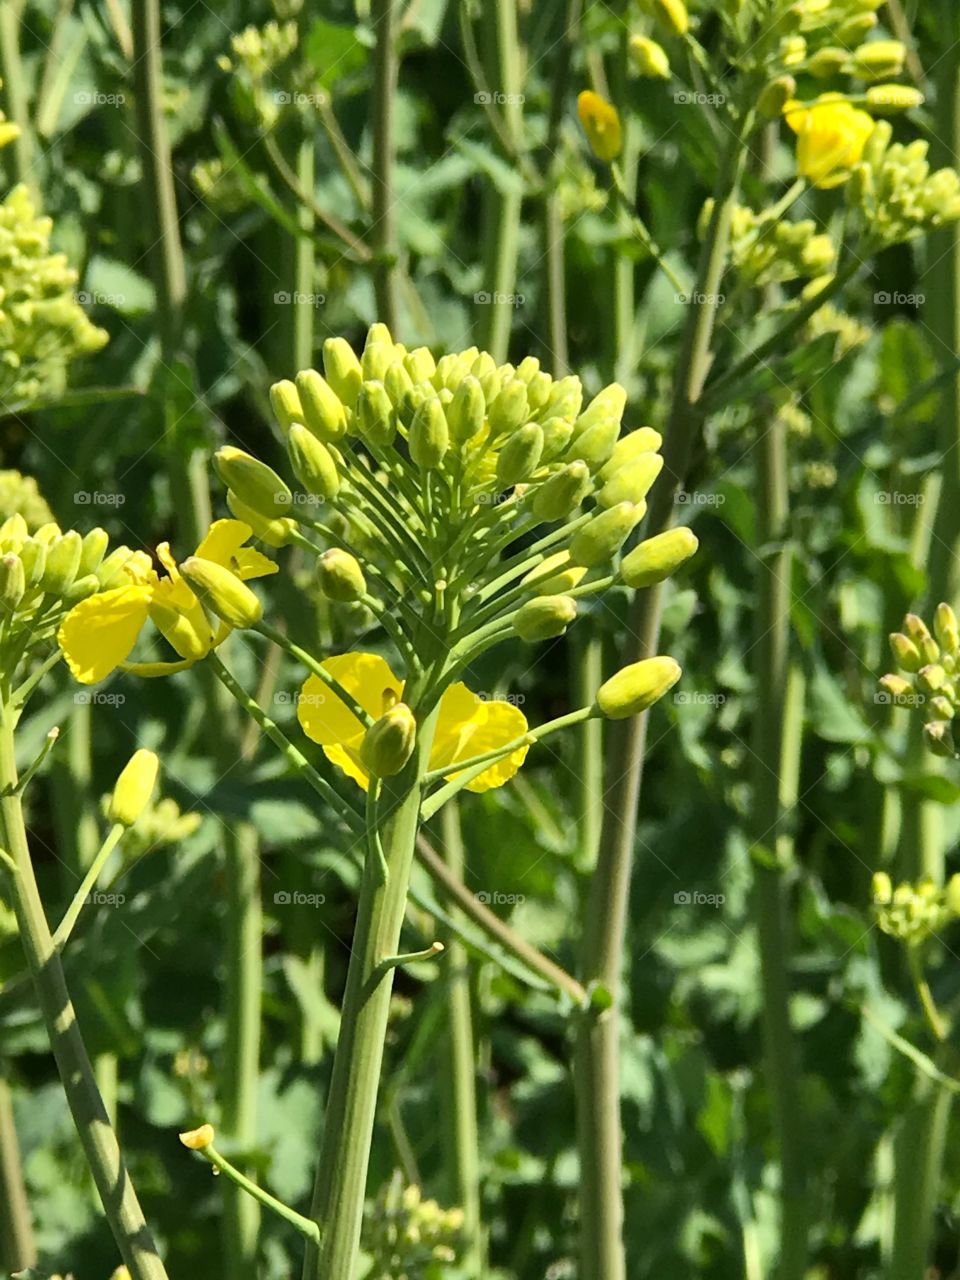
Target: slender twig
386, 68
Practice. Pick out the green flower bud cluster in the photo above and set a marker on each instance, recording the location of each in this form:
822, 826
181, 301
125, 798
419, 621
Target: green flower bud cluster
455, 493
767, 248
42, 327
895, 192
266, 78
409, 1236
815, 37
914, 913
19, 494
44, 574
929, 664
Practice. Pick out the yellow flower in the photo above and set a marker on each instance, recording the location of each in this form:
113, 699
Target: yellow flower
99, 633
467, 725
831, 136
601, 124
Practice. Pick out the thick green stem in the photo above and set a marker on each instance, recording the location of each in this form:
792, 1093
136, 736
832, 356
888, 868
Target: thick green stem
464, 1141
304, 251
340, 1187
384, 17
587, 678
596, 1062
18, 1249
117, 1193
15, 89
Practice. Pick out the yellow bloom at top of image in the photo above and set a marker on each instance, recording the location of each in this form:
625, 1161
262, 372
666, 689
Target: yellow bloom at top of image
601, 124
98, 635
467, 725
831, 136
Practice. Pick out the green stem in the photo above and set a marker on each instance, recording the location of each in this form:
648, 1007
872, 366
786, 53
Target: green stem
18, 1250
302, 1224
87, 885
304, 251
587, 678
15, 90
316, 668
340, 1188
386, 69
464, 1138
597, 1049
117, 1194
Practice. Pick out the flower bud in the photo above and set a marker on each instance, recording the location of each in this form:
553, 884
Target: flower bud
601, 124
342, 371
312, 463
33, 556
672, 16
649, 58
388, 744
878, 144
595, 445
253, 482
420, 364
562, 492
878, 60
13, 581
632, 482
275, 533
323, 411
601, 539
93, 549
658, 557
919, 633
887, 99
198, 1139
557, 434
544, 618
466, 410
566, 397
882, 888
856, 29
429, 436
905, 652
775, 97
340, 576
946, 629
520, 456
952, 894
510, 409
63, 561
285, 402
134, 787
555, 576
13, 531
376, 415
538, 390
939, 738
608, 403
826, 62
378, 333
637, 687
377, 359
222, 592
630, 447
939, 708
397, 383
81, 589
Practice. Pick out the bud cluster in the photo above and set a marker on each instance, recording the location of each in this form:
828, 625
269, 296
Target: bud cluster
767, 248
256, 56
42, 327
822, 39
421, 474
930, 663
914, 913
407, 1235
895, 192
44, 574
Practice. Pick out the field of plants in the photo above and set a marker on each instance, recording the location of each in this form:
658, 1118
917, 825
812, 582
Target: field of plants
479, 552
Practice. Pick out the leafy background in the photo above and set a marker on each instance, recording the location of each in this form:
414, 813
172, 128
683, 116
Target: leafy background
148, 976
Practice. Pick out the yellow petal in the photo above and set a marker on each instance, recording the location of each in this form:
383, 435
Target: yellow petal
98, 634
326, 719
468, 726
223, 544
601, 124
348, 759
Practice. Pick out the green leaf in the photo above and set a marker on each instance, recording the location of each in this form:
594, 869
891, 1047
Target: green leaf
334, 51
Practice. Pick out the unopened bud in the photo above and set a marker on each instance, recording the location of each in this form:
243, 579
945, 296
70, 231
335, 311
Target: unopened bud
222, 592
253, 482
285, 402
466, 410
939, 738
775, 97
342, 370
946, 629
323, 411
595, 445
882, 887
828, 61
856, 29
545, 617
672, 15
198, 1139
340, 576
919, 633
906, 654
510, 409
888, 99
63, 561
429, 436
637, 687
376, 415
33, 555
557, 434
520, 456
13, 581
658, 557
81, 588
555, 576
649, 58
608, 403
134, 787
601, 539
878, 143
388, 744
632, 482
562, 492
878, 60
275, 533
420, 364
312, 463
629, 448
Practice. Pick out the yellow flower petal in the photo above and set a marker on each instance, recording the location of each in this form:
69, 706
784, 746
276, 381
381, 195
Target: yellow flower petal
223, 544
601, 124
468, 726
98, 634
831, 136
327, 720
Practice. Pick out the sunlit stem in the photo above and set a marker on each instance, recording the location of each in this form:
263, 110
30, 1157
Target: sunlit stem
87, 885
297, 1220
309, 661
